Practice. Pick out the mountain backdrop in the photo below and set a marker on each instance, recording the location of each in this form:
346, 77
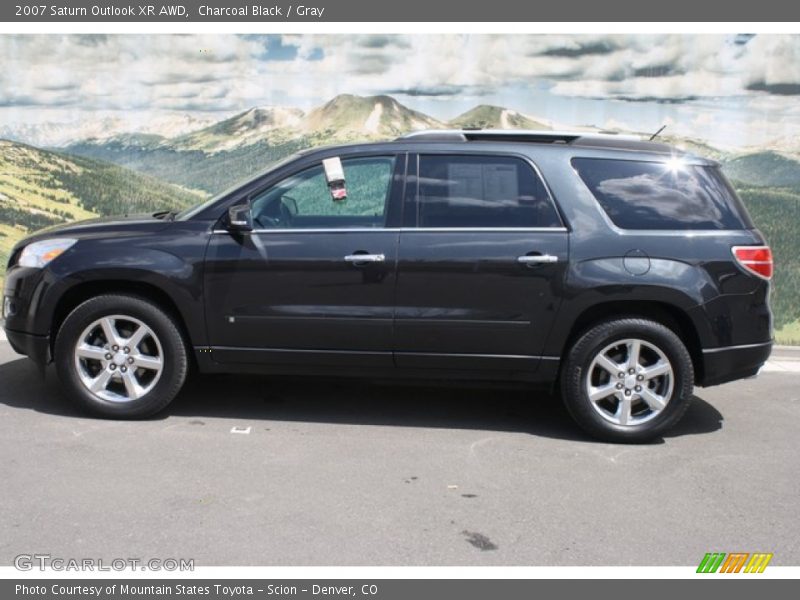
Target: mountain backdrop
183, 161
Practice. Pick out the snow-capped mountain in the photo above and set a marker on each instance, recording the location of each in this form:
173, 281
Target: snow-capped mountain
63, 133
347, 115
497, 117
254, 125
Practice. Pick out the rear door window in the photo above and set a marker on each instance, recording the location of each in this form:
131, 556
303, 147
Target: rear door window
481, 191
662, 195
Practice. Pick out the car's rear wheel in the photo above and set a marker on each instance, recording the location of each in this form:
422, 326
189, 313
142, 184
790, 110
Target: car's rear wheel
120, 356
627, 380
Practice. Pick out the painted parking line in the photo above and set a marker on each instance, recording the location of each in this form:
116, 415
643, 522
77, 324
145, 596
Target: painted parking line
3, 336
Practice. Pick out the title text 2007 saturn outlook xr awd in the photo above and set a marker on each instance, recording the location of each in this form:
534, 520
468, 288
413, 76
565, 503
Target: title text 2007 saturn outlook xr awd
623, 271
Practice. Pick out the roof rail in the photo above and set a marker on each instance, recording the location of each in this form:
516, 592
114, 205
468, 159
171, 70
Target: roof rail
512, 135
436, 135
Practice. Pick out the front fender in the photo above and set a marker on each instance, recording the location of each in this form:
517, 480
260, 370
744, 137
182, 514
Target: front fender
112, 267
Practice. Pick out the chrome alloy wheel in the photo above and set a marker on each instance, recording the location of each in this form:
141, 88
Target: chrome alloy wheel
629, 382
118, 358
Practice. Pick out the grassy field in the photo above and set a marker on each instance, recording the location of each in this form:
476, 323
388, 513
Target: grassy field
789, 335
8, 237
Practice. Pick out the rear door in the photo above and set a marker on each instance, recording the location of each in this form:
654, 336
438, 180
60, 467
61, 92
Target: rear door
481, 263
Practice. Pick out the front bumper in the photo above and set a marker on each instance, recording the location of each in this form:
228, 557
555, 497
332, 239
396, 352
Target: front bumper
20, 301
729, 363
36, 347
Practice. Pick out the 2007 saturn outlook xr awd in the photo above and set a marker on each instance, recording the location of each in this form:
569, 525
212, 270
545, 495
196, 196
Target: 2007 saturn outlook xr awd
621, 271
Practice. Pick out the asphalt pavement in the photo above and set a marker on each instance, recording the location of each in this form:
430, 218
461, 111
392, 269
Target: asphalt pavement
258, 471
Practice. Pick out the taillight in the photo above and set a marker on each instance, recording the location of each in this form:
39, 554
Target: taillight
756, 259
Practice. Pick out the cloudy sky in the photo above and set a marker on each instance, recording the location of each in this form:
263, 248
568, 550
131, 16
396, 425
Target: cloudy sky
733, 90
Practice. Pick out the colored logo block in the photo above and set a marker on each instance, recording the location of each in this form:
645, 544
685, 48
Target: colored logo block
734, 562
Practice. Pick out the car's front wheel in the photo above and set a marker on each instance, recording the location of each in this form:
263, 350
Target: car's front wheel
627, 380
120, 356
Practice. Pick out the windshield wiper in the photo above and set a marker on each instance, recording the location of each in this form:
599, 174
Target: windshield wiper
167, 215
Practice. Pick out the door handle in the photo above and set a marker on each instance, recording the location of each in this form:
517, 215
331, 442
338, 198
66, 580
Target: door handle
365, 258
537, 259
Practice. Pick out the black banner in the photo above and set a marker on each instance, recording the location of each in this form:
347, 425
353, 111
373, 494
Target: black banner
730, 588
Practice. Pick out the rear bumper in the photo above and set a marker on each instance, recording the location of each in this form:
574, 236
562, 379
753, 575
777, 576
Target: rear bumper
730, 363
36, 347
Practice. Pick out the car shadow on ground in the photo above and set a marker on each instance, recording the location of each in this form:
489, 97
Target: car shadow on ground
345, 401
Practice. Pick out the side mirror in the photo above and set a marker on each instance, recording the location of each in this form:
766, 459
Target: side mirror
334, 175
240, 218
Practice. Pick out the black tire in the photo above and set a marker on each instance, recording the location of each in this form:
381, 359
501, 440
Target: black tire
172, 348
591, 416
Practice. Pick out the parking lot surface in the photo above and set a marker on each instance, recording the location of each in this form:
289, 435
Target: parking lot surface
257, 471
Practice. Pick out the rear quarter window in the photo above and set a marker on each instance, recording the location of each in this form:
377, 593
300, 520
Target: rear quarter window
661, 195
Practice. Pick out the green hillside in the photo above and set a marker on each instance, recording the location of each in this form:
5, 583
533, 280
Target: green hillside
764, 169
776, 213
39, 188
194, 169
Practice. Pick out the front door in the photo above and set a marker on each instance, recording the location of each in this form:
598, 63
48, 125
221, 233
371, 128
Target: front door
314, 282
481, 264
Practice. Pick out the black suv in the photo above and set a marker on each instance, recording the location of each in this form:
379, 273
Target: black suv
624, 271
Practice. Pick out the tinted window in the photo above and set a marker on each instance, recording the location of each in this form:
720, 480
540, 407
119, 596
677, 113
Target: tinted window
304, 201
652, 195
482, 191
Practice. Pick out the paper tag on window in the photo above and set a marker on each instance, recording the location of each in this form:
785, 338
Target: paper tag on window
338, 192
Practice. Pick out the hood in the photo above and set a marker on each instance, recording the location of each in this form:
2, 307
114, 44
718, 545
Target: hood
100, 227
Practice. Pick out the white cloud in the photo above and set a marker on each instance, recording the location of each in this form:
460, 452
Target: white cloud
120, 70
74, 76
774, 60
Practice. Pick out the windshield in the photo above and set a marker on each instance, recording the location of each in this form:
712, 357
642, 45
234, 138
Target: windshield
188, 213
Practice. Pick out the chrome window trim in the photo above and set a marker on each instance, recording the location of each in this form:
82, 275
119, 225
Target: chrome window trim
404, 230
489, 229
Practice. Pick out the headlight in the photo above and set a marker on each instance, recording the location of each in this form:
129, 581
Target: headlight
38, 254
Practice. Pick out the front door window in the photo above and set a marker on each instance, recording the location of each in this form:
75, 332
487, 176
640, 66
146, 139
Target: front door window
303, 201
